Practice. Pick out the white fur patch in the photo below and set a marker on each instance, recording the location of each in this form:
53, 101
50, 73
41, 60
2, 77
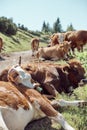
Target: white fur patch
23, 78
11, 119
59, 118
61, 38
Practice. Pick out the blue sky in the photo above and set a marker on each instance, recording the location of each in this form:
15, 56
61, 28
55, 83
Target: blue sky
32, 13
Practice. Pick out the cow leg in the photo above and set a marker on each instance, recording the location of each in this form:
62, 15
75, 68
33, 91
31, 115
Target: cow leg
51, 89
2, 123
78, 103
45, 109
59, 118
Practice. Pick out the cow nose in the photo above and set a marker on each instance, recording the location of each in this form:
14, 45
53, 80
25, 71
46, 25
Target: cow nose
84, 81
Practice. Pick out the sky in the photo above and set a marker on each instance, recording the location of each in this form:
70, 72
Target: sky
32, 13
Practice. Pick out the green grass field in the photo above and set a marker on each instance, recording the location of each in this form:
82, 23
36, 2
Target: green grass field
22, 41
76, 117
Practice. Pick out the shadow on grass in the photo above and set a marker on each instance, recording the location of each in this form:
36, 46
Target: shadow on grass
41, 124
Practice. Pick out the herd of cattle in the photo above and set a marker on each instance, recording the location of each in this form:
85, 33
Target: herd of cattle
26, 90
61, 44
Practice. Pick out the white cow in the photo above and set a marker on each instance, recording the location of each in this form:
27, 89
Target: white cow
20, 104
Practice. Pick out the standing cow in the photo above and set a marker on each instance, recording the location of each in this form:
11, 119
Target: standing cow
57, 38
78, 39
34, 45
1, 44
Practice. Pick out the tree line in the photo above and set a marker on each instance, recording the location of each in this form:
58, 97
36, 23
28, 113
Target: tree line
57, 27
7, 26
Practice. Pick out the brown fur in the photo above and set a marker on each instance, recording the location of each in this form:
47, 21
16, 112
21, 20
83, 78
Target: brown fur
34, 45
1, 44
53, 77
54, 39
78, 39
55, 52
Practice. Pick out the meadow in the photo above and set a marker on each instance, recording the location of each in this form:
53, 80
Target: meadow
75, 116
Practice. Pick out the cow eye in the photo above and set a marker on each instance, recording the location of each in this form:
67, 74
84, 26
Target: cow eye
15, 75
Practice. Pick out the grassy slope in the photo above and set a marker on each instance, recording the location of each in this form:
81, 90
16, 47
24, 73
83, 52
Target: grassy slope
21, 41
77, 117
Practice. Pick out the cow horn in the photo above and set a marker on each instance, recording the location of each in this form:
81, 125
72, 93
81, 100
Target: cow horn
20, 61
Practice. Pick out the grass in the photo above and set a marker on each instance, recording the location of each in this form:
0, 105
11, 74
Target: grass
21, 41
76, 117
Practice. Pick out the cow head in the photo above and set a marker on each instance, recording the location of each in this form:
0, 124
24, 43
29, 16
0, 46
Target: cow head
18, 76
67, 46
76, 72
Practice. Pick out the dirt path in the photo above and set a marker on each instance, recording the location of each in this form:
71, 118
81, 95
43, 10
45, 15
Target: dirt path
7, 60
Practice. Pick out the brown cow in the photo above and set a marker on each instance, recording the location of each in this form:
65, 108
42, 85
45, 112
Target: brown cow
1, 44
56, 52
34, 45
56, 78
78, 39
57, 38
52, 77
19, 104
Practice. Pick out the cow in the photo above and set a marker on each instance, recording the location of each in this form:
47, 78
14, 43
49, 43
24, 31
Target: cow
1, 44
78, 39
56, 52
57, 78
34, 45
20, 103
56, 38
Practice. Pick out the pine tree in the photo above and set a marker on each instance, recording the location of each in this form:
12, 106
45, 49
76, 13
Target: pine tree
44, 27
57, 26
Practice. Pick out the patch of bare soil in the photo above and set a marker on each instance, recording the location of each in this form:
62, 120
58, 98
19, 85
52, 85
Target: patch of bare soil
7, 60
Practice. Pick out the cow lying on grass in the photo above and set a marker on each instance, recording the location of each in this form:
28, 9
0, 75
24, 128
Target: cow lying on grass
57, 52
19, 104
56, 78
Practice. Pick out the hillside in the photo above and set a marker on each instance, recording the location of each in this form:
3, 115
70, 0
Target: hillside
21, 41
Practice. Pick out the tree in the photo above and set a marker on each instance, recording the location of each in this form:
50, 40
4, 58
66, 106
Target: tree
22, 27
46, 27
43, 26
70, 28
7, 26
3, 24
57, 26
